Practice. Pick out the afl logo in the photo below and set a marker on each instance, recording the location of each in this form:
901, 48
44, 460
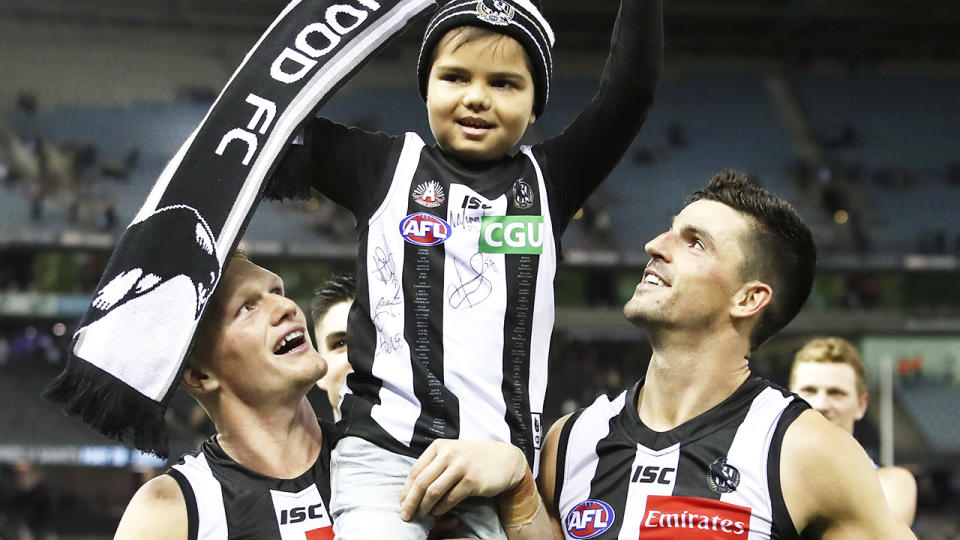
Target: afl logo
424, 229
588, 519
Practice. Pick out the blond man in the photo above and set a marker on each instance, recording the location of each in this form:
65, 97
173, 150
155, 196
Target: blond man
829, 374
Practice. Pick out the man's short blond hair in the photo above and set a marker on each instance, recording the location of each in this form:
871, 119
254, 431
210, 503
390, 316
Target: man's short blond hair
832, 350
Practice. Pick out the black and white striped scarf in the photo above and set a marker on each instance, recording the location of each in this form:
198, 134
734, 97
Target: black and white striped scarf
127, 356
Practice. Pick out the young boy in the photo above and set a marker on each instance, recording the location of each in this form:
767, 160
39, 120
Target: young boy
450, 330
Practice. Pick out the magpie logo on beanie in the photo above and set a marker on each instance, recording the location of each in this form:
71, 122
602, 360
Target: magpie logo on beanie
519, 19
495, 12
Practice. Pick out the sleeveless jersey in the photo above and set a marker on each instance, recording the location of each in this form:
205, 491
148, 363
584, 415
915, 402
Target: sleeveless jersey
450, 329
227, 501
716, 476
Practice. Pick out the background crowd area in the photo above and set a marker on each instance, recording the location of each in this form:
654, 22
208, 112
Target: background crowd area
851, 110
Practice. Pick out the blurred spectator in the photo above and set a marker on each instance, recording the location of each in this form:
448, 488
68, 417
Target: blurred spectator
677, 136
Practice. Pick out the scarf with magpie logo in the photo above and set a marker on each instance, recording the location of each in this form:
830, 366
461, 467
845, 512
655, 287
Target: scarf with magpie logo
128, 353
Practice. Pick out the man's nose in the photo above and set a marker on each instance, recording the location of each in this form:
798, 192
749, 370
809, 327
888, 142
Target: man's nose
658, 247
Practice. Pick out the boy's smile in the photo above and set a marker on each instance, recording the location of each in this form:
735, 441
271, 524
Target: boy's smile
479, 96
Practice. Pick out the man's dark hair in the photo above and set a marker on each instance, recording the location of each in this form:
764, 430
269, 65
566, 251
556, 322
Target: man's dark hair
339, 288
778, 251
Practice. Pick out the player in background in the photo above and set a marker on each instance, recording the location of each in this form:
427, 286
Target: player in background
329, 310
829, 374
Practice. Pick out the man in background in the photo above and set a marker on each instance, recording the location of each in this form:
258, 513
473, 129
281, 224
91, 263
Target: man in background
829, 374
330, 309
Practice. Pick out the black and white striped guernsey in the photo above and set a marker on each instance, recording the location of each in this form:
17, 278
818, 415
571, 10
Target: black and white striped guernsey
225, 500
716, 476
450, 330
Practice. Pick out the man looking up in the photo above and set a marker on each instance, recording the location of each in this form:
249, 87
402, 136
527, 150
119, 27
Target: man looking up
698, 448
268, 465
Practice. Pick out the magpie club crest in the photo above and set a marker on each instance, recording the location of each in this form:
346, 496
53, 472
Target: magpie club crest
522, 194
722, 477
495, 12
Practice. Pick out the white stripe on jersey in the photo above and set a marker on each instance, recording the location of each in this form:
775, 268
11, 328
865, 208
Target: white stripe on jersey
209, 495
637, 493
580, 466
750, 450
399, 407
543, 317
474, 291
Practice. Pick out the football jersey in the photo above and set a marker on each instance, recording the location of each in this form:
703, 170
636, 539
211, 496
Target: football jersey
450, 330
715, 476
225, 500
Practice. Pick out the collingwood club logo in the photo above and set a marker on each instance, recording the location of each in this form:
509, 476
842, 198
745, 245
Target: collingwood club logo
722, 477
429, 194
495, 12
522, 194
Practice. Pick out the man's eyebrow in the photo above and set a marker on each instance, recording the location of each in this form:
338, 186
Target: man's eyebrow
693, 230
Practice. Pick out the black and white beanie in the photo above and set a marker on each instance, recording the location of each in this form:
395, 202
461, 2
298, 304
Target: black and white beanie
519, 19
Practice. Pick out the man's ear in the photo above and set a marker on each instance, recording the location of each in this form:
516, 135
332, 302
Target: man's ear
197, 379
750, 299
862, 402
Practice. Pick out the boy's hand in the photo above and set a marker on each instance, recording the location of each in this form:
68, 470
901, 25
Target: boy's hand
449, 471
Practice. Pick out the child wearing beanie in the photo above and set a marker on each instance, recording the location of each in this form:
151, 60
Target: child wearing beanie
458, 245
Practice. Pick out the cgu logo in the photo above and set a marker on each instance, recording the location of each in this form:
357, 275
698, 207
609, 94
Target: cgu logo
588, 519
512, 234
424, 229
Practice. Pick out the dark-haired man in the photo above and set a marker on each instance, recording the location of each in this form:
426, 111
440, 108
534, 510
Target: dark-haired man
330, 309
699, 448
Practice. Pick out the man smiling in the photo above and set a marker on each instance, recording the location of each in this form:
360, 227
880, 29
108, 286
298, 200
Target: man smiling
265, 474
829, 374
699, 448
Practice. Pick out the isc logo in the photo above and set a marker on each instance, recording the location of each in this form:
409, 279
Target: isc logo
302, 515
296, 515
424, 229
651, 474
512, 234
589, 518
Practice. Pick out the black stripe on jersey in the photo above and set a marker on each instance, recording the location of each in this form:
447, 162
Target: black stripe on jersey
561, 461
361, 332
696, 457
783, 527
518, 327
362, 335
193, 520
423, 324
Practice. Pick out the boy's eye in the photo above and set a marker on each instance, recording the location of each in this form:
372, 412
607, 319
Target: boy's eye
503, 84
451, 77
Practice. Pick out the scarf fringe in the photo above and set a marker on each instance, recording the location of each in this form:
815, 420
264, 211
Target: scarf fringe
110, 406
